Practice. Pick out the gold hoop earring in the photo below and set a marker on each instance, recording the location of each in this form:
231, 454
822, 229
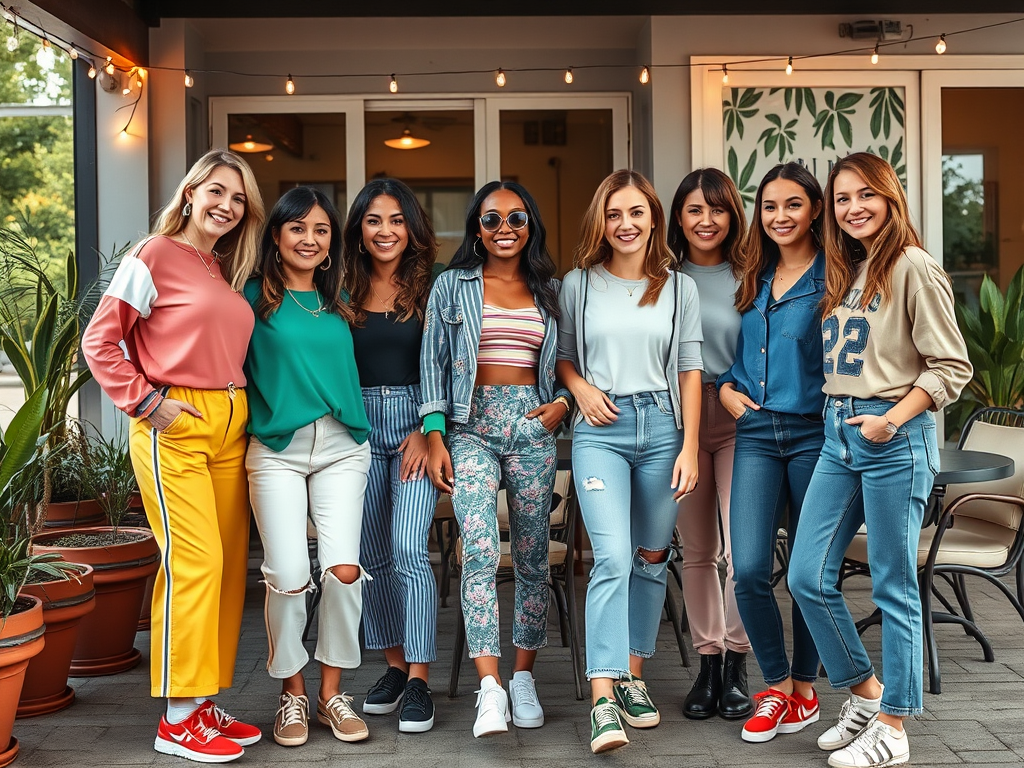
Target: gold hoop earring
186, 210
360, 248
326, 265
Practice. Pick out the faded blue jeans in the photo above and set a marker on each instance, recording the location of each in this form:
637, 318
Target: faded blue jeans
885, 485
774, 459
623, 477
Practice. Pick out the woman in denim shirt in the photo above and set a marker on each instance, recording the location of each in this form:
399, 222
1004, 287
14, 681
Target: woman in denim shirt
774, 392
488, 365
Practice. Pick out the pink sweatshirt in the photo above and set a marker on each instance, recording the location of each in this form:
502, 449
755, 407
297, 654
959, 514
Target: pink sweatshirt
164, 321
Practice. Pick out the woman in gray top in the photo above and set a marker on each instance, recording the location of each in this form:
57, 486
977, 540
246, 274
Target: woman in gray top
705, 230
629, 351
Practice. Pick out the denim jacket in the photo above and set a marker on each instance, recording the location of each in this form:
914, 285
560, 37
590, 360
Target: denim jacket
451, 339
779, 357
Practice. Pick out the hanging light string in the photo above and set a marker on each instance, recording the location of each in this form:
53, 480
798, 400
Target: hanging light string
645, 72
134, 105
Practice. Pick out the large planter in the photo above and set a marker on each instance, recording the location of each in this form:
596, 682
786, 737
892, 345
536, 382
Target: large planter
106, 637
65, 602
21, 638
146, 617
73, 514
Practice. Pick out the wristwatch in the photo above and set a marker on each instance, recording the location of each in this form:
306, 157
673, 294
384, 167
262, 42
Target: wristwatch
890, 428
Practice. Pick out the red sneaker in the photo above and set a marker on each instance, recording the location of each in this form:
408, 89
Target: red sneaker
802, 712
770, 707
241, 733
195, 739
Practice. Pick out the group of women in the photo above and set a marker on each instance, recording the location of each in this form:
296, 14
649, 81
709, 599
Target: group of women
317, 373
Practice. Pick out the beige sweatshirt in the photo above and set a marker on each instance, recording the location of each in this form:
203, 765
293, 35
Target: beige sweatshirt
911, 339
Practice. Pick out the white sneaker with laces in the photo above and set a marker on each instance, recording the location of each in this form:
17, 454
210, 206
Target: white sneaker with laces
526, 709
878, 745
853, 718
492, 714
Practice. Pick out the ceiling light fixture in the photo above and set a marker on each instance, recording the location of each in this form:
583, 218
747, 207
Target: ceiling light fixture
250, 145
407, 141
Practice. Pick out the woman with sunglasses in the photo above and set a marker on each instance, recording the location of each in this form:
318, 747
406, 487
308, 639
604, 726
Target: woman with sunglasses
487, 372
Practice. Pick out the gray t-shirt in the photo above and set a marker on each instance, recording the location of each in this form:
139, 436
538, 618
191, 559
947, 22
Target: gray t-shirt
627, 345
719, 318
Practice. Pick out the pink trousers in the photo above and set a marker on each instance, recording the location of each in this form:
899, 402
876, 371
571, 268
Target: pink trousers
715, 623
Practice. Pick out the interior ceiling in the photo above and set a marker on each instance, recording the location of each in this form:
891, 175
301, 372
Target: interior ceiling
154, 10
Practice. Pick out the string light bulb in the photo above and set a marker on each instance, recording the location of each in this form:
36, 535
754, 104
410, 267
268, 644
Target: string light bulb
92, 72
189, 80
12, 40
289, 86
124, 134
568, 76
725, 75
645, 76
393, 85
73, 53
500, 79
874, 55
789, 66
127, 89
109, 68
46, 42
940, 47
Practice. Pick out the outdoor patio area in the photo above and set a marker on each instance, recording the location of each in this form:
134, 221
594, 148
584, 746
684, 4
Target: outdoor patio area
977, 720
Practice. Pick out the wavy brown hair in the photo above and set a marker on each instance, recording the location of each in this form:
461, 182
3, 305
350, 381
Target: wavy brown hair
594, 249
843, 252
294, 205
719, 192
758, 249
416, 261
237, 250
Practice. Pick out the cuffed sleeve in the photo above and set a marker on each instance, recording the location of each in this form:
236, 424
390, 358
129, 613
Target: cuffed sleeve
435, 356
940, 344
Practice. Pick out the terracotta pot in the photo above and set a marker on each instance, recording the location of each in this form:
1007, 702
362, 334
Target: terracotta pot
147, 605
21, 638
106, 637
46, 688
74, 514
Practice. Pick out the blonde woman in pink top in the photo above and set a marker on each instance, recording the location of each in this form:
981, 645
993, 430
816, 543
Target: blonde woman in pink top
167, 345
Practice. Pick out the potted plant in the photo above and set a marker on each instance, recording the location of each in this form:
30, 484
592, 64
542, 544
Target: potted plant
122, 558
21, 631
68, 502
994, 332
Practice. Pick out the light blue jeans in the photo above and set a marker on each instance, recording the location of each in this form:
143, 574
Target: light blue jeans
623, 476
893, 480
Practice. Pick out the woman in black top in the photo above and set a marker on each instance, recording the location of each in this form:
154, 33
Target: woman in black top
389, 251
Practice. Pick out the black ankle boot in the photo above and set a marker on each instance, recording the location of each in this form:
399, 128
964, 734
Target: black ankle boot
734, 702
702, 700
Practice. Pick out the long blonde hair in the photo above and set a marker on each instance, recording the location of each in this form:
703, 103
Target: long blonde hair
237, 250
593, 248
843, 252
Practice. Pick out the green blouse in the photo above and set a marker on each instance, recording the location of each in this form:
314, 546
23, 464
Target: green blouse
299, 368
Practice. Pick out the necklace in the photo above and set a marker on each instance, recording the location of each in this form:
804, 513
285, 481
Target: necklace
319, 304
387, 309
799, 269
208, 266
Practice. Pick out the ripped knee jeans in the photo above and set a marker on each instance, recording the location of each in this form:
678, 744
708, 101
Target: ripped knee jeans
320, 477
623, 475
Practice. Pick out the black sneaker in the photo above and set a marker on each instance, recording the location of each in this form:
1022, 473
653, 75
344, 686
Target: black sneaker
383, 697
417, 708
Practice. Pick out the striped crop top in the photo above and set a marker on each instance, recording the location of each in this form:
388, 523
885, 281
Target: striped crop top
510, 336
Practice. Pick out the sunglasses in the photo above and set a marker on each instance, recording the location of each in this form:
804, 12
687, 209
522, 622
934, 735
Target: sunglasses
491, 222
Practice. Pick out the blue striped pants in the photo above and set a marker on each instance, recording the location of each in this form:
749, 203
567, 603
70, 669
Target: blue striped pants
400, 604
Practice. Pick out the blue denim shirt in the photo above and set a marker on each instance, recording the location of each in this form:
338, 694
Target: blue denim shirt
779, 357
451, 339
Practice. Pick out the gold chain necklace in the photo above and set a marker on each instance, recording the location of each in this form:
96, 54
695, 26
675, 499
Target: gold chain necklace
802, 268
208, 266
387, 309
314, 312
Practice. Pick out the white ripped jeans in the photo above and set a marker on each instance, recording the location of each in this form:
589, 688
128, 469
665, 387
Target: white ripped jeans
322, 474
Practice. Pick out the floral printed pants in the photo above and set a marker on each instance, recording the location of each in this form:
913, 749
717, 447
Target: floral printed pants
499, 446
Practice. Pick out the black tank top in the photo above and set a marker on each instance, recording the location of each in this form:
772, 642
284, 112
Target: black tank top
388, 350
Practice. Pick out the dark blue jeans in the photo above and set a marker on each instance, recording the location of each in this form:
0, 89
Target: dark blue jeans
775, 458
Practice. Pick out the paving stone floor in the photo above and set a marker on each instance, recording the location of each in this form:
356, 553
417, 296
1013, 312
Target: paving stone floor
977, 720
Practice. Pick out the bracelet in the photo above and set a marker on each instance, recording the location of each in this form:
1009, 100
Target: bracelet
564, 401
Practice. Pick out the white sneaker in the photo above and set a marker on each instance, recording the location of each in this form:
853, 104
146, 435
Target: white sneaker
526, 709
491, 709
853, 718
876, 746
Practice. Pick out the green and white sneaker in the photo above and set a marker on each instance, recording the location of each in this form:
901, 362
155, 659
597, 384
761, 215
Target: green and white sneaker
606, 730
636, 705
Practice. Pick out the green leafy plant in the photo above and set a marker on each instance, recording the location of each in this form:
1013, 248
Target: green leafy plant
21, 450
798, 99
886, 107
778, 135
994, 332
109, 476
835, 114
742, 178
740, 106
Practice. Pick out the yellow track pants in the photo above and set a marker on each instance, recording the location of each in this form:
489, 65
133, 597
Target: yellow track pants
193, 483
